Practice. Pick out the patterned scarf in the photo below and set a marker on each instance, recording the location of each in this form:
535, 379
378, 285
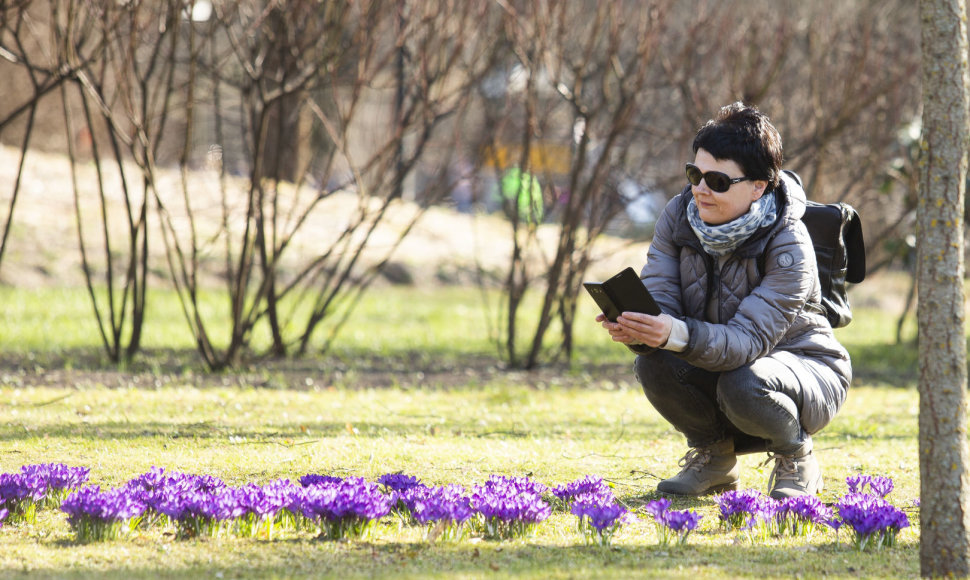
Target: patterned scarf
721, 240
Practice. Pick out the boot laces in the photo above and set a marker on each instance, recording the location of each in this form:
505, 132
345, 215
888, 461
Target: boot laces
695, 459
786, 467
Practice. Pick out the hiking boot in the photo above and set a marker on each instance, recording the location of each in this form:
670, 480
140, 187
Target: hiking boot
709, 469
794, 476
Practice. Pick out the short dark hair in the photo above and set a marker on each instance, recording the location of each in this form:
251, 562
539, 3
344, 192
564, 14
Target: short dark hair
743, 134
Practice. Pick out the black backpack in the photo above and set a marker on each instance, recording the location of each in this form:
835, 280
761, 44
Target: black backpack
840, 252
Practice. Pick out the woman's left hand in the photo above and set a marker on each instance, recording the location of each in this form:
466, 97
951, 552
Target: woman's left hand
639, 328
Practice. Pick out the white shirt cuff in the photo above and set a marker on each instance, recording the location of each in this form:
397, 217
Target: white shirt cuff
677, 341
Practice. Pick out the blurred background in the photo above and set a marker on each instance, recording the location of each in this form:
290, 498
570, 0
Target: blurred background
290, 156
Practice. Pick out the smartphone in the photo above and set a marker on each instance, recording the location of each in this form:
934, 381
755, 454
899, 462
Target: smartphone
624, 292
602, 300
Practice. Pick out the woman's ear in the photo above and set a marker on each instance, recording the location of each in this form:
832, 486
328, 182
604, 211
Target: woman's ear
759, 189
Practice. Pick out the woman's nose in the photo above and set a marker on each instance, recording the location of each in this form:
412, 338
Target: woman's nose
702, 188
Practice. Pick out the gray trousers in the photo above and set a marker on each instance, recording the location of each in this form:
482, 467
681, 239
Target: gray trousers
774, 403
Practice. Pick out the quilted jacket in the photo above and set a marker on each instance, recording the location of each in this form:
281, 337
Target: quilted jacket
734, 313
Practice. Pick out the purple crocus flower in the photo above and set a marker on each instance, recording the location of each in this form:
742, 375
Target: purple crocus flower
198, 512
802, 514
601, 517
526, 508
510, 506
683, 522
154, 478
112, 505
434, 504
345, 509
657, 507
444, 509
588, 486
680, 523
21, 494
881, 486
282, 493
266, 506
314, 479
252, 500
19, 487
409, 498
291, 496
197, 504
58, 476
406, 498
398, 481
857, 482
595, 496
220, 505
151, 487
743, 509
264, 502
205, 483
101, 515
874, 520
878, 485
807, 507
176, 482
172, 504
3, 515
520, 485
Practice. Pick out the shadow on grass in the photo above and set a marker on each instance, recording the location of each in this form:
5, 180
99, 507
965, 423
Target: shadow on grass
879, 364
293, 434
341, 368
315, 559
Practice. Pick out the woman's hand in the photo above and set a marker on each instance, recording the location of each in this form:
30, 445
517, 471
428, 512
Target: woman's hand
639, 328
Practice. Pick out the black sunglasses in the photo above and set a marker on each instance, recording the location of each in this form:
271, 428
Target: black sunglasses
717, 181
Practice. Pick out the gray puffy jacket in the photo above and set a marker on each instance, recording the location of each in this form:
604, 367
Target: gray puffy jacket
776, 312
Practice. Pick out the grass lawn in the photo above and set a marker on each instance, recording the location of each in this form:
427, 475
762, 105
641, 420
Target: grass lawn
404, 399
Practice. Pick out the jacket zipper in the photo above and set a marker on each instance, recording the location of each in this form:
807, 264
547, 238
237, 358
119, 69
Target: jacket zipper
713, 282
717, 292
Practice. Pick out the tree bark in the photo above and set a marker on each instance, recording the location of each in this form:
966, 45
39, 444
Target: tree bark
944, 513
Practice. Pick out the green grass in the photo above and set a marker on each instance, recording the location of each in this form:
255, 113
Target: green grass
449, 416
447, 323
56, 327
442, 436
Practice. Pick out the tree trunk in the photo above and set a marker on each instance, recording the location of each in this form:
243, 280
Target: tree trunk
944, 513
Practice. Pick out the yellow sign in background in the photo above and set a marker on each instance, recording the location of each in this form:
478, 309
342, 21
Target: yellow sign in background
543, 157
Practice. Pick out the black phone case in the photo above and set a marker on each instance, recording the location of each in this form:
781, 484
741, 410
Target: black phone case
623, 292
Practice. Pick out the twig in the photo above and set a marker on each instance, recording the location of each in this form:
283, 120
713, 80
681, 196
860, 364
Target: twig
54, 400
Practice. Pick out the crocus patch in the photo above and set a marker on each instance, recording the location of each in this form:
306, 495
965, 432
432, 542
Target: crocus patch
347, 508
444, 511
97, 515
510, 507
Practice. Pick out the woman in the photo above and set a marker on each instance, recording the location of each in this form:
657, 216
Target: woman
742, 357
